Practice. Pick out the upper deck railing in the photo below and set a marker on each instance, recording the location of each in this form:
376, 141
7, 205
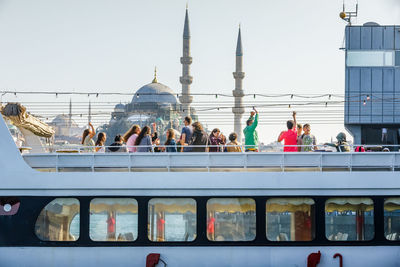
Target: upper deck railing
203, 161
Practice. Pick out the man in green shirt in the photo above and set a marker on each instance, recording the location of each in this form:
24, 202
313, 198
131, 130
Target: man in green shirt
250, 133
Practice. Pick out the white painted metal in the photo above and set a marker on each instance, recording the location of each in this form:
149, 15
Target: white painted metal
376, 160
198, 256
18, 178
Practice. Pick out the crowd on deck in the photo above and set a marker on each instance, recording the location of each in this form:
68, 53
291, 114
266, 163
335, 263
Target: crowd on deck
193, 138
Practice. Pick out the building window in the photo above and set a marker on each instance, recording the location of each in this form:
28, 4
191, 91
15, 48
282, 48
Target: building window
113, 219
231, 219
59, 220
172, 219
370, 58
349, 219
392, 218
290, 219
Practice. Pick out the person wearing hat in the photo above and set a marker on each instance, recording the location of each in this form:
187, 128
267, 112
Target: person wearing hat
341, 145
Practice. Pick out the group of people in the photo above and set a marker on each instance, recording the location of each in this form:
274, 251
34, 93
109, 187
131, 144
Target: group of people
193, 138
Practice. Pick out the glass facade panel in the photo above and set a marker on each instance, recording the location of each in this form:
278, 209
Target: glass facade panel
59, 220
231, 219
397, 58
370, 58
349, 219
113, 219
290, 219
172, 219
392, 218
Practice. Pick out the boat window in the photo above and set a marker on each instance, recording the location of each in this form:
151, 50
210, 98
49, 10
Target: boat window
172, 219
113, 219
290, 219
349, 219
231, 219
392, 218
59, 220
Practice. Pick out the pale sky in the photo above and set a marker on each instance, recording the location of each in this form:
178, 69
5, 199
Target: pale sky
290, 46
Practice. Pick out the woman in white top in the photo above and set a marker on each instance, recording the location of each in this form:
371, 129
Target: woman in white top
101, 140
87, 140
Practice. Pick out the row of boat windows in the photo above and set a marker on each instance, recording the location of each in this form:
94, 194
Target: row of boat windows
228, 219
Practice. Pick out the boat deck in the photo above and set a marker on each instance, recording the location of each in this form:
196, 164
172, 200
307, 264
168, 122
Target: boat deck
213, 162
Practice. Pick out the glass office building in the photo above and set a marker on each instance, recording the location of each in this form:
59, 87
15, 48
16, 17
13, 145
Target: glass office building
372, 108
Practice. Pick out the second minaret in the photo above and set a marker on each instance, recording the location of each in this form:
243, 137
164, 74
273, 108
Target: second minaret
238, 93
186, 99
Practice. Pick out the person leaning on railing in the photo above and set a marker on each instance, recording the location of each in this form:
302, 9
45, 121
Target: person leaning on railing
186, 135
117, 146
215, 140
143, 141
87, 139
170, 144
199, 140
341, 145
250, 132
100, 142
289, 136
233, 145
130, 137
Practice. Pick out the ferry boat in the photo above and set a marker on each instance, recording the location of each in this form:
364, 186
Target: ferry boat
198, 209
213, 209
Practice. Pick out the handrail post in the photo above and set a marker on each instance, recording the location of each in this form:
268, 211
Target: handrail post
320, 161
169, 162
93, 162
56, 162
393, 161
208, 164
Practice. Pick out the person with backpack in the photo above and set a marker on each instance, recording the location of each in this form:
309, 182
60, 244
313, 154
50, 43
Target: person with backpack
117, 146
199, 140
341, 145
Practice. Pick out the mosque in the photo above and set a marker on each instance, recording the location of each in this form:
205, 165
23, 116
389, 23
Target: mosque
156, 102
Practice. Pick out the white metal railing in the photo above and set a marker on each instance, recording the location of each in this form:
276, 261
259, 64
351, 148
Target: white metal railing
262, 161
221, 148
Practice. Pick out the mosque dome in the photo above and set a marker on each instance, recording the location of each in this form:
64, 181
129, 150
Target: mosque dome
154, 92
63, 121
119, 108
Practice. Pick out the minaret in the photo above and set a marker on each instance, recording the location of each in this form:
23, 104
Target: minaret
90, 112
70, 117
186, 99
238, 93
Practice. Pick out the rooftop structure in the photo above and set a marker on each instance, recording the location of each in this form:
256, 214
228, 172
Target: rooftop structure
372, 109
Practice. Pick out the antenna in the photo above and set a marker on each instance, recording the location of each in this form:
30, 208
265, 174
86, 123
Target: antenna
348, 15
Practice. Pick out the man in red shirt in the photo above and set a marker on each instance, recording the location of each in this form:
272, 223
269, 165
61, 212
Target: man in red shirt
289, 136
110, 226
211, 227
160, 227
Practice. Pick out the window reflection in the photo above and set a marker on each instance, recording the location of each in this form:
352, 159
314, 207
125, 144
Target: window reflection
231, 219
392, 218
370, 58
290, 219
172, 219
113, 219
59, 220
349, 219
